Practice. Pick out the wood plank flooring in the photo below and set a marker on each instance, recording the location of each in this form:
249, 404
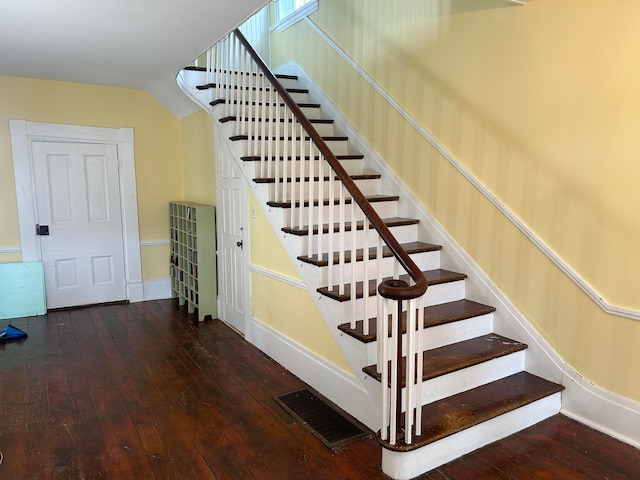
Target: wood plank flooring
141, 392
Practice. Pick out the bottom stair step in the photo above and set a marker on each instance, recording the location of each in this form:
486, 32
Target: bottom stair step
462, 411
462, 423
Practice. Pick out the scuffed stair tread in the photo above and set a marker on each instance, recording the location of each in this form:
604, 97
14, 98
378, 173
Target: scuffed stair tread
389, 222
410, 247
472, 407
456, 356
433, 315
433, 277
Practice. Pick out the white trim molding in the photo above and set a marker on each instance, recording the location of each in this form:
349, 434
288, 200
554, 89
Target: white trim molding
295, 16
157, 289
155, 243
339, 386
11, 250
519, 224
277, 276
23, 133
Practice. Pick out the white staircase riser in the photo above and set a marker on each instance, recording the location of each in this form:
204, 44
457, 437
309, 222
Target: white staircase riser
436, 294
385, 209
267, 111
367, 187
403, 233
424, 260
279, 128
286, 167
408, 465
471, 377
235, 78
253, 95
441, 335
277, 147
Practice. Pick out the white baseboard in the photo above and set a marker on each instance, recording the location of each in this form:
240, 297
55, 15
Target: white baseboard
604, 411
156, 289
335, 384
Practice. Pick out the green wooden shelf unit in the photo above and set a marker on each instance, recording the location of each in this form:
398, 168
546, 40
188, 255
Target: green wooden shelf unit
193, 257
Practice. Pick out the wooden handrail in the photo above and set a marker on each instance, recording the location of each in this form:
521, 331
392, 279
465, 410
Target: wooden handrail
389, 288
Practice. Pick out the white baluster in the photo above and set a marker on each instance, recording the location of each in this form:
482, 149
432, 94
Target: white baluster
419, 365
365, 283
311, 188
292, 173
302, 174
341, 245
383, 351
321, 168
394, 371
331, 233
365, 268
264, 152
410, 368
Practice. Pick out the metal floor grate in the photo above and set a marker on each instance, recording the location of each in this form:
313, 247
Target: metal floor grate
331, 426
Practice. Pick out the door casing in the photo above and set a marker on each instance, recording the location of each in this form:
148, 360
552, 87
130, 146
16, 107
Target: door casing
23, 133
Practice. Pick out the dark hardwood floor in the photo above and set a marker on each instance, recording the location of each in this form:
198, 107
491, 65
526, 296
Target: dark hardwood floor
141, 392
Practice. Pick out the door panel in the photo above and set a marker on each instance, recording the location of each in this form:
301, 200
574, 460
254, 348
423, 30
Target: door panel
77, 196
232, 213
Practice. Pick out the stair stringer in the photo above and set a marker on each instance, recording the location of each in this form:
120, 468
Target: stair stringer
360, 395
541, 358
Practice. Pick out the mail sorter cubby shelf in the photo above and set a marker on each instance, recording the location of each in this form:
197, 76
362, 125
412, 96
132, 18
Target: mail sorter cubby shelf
193, 257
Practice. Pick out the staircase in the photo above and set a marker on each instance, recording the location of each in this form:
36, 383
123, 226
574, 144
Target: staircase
467, 384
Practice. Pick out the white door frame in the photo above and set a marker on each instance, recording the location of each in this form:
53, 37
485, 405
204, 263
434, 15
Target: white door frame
23, 133
223, 146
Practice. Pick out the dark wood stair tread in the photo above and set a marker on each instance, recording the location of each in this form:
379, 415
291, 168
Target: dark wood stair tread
347, 201
410, 247
233, 118
389, 222
253, 88
220, 101
328, 138
361, 176
456, 356
434, 277
195, 68
257, 158
472, 407
434, 315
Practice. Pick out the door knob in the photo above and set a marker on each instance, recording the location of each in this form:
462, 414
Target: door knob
239, 244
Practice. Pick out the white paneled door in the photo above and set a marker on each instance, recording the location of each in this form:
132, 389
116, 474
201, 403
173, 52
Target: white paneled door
231, 220
79, 222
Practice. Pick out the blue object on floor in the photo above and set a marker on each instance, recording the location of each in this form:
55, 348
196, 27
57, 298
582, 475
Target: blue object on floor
11, 333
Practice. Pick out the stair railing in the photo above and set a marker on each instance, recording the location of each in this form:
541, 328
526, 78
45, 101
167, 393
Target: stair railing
306, 175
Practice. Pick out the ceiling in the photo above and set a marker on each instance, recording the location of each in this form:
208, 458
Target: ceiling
123, 43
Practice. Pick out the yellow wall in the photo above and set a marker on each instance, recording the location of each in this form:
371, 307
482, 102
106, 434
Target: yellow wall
198, 154
540, 102
157, 140
285, 308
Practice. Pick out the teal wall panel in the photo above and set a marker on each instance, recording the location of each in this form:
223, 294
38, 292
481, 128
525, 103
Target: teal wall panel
22, 290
